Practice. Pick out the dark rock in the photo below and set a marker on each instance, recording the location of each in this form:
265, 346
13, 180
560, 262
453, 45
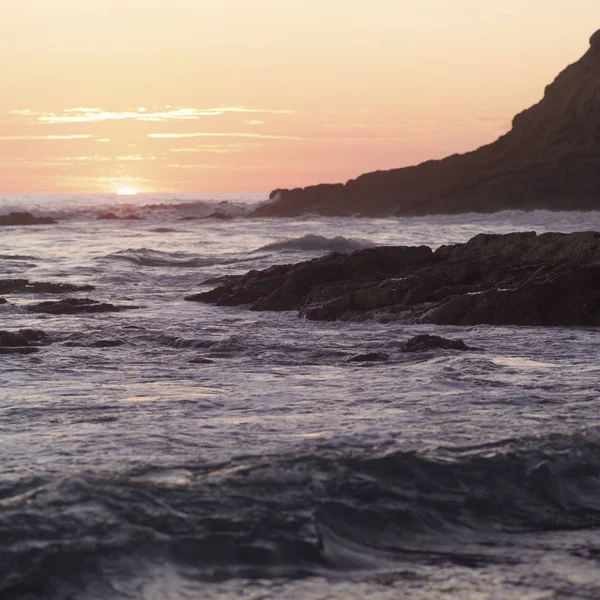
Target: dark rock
513, 279
188, 219
18, 350
73, 306
370, 357
201, 361
24, 286
25, 218
549, 159
3, 301
433, 342
24, 341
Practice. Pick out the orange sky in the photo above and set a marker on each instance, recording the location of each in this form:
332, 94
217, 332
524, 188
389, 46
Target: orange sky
199, 96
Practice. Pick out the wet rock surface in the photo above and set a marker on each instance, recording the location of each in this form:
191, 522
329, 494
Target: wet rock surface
24, 286
550, 159
420, 343
24, 341
513, 279
25, 218
73, 306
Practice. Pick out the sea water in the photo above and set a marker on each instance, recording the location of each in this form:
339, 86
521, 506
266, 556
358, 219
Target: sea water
183, 450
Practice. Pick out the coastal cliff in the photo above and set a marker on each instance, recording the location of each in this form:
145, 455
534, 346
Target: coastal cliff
550, 159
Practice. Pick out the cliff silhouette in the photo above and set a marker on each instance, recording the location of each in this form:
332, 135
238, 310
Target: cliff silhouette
550, 159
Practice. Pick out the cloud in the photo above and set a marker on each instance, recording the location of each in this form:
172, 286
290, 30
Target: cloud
261, 136
19, 138
143, 114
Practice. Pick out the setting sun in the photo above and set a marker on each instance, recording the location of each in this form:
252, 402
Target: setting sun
126, 192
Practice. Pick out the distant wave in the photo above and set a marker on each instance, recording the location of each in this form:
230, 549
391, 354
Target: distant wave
145, 257
84, 207
313, 243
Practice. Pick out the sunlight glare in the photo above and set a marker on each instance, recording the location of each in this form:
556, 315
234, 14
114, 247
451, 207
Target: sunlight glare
126, 192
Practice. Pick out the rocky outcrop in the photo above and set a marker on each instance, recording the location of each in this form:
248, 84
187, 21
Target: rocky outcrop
24, 341
423, 342
25, 218
74, 306
518, 279
549, 159
24, 286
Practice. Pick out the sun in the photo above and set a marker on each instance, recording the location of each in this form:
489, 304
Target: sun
126, 192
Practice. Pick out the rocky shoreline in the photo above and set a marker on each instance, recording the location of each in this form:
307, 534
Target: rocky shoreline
512, 279
550, 159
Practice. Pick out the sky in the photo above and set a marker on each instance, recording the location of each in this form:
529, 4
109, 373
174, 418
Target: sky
201, 96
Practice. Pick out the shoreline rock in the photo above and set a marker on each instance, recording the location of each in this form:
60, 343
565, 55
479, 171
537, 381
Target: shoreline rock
550, 159
24, 286
512, 279
75, 306
24, 341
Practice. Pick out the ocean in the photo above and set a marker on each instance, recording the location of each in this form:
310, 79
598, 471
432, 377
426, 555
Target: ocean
180, 450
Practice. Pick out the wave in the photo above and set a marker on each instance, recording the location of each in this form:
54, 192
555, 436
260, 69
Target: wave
146, 257
18, 257
144, 206
326, 510
313, 243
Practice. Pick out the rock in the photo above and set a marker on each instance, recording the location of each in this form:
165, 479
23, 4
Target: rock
433, 342
201, 361
23, 337
370, 357
24, 286
3, 301
18, 350
550, 159
512, 279
24, 341
73, 306
25, 218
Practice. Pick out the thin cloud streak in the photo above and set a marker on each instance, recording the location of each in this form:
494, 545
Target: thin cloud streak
142, 114
28, 138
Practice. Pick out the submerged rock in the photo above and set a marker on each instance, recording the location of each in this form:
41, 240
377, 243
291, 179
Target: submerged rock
73, 306
550, 159
25, 218
24, 341
24, 286
432, 342
512, 279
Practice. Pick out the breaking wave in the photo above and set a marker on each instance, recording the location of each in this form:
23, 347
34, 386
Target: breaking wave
146, 257
262, 517
318, 243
